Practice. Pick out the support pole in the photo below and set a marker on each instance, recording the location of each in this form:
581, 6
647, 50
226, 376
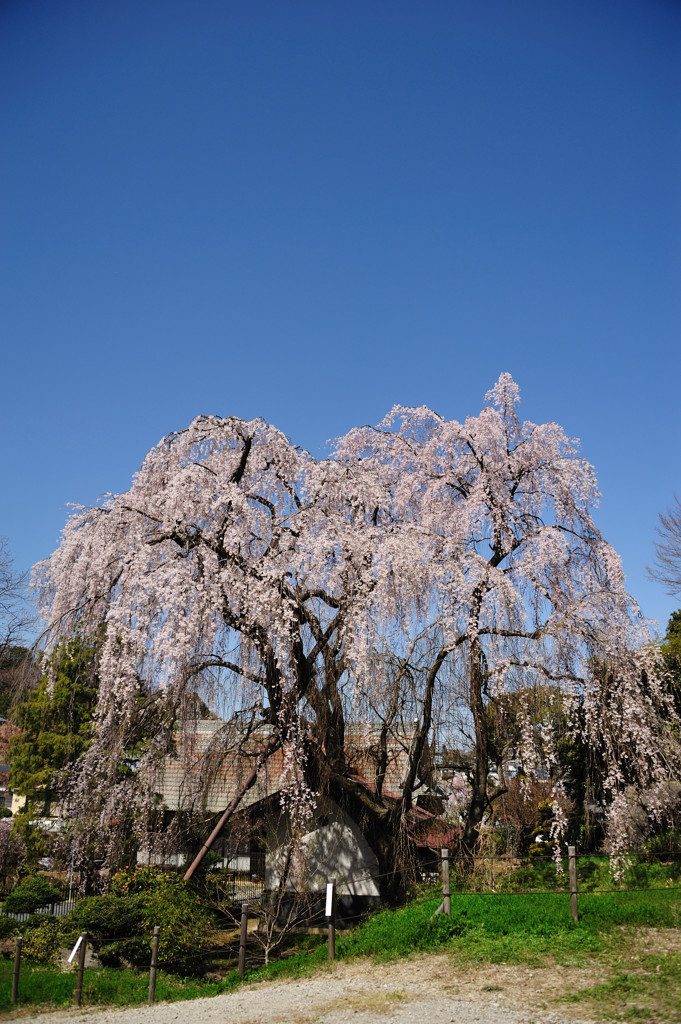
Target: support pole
243, 932
81, 967
572, 862
17, 967
154, 964
331, 914
446, 898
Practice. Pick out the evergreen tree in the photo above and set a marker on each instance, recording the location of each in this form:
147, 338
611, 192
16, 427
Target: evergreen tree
671, 649
56, 724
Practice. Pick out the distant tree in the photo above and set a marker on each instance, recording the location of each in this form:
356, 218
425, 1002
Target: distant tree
671, 650
14, 614
667, 567
18, 675
56, 726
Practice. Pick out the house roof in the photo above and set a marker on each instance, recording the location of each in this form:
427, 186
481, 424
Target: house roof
213, 760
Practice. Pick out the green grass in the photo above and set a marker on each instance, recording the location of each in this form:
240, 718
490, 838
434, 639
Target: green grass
515, 929
593, 873
649, 989
533, 930
48, 986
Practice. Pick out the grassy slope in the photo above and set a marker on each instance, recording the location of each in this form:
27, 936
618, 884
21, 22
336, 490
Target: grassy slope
536, 930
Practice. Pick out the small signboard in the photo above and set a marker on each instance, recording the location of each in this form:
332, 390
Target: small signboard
329, 898
75, 949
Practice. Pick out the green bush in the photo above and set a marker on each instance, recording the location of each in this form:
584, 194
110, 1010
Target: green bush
121, 924
114, 925
663, 847
142, 879
29, 895
34, 920
41, 944
8, 926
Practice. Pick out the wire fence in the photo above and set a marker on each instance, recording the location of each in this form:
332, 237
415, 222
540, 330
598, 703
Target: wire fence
246, 898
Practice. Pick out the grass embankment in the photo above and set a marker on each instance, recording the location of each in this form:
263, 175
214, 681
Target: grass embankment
50, 987
608, 944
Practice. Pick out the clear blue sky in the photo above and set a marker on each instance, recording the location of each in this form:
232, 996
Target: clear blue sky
310, 210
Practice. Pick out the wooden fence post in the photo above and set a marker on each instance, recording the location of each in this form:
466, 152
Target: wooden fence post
154, 964
331, 914
17, 966
446, 898
243, 932
81, 967
572, 862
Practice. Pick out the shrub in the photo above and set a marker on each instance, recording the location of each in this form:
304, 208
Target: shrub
122, 923
142, 879
7, 926
29, 895
41, 944
114, 925
12, 852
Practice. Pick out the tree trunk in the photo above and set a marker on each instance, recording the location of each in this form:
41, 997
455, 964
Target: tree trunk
384, 830
479, 780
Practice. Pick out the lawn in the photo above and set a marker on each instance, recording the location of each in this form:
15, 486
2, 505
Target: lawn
626, 943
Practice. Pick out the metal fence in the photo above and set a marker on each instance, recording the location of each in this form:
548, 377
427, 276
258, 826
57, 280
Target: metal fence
60, 909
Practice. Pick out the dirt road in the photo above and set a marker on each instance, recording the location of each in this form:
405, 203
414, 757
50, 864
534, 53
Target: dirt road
423, 990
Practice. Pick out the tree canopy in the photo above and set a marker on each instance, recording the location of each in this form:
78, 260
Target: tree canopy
423, 569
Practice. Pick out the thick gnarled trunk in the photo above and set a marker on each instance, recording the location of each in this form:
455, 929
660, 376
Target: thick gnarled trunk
481, 768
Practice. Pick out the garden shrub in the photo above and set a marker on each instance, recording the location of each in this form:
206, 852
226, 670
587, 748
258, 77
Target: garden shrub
41, 943
31, 894
121, 923
166, 900
115, 928
8, 926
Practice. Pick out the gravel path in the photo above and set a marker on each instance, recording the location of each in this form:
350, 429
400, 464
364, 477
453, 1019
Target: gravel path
424, 990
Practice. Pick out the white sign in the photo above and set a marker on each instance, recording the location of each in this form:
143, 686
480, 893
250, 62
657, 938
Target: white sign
75, 949
329, 899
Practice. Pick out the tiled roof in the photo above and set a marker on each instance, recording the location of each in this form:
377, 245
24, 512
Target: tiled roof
204, 761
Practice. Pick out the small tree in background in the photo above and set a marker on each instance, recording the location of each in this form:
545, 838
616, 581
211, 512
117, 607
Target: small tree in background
55, 723
56, 726
667, 567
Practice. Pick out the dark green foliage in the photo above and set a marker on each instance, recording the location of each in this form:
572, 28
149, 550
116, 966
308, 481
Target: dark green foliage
56, 723
31, 894
8, 926
122, 922
115, 927
671, 649
11, 660
185, 924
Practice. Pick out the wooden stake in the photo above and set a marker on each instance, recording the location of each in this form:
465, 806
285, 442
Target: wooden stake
154, 964
331, 914
81, 967
446, 898
243, 931
17, 966
573, 882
